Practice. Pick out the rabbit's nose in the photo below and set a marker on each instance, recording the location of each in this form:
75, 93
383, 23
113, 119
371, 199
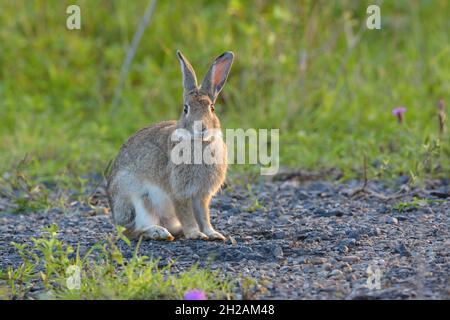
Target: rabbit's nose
200, 127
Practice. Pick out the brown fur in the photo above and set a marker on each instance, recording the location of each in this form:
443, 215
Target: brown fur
142, 175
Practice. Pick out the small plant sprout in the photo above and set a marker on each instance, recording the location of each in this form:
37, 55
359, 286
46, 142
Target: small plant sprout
398, 112
102, 272
414, 204
441, 116
195, 294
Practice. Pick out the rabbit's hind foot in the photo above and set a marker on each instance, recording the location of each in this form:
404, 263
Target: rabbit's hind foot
157, 233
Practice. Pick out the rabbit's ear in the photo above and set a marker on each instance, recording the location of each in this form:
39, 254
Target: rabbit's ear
189, 78
217, 75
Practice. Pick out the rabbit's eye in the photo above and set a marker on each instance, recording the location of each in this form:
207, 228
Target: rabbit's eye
186, 108
212, 108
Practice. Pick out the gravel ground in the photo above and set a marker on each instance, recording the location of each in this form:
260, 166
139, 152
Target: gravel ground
299, 240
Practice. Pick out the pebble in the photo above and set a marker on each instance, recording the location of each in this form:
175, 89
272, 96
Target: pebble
402, 250
348, 242
342, 248
301, 195
337, 213
318, 260
277, 252
327, 266
377, 231
323, 213
232, 240
336, 273
279, 234
345, 266
391, 220
226, 206
350, 258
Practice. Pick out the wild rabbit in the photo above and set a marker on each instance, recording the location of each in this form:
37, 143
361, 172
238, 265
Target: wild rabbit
154, 197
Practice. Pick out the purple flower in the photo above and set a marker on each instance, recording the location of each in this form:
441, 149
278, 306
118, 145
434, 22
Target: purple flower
194, 294
441, 105
398, 112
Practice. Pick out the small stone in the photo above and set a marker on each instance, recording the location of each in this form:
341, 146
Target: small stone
323, 213
342, 248
318, 260
377, 231
300, 260
278, 252
285, 269
336, 273
232, 241
302, 195
402, 250
337, 213
442, 193
226, 206
356, 234
327, 266
345, 266
391, 220
279, 235
384, 210
349, 242
350, 259
320, 187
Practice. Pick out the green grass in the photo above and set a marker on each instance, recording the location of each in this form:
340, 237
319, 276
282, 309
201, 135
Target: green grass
404, 206
104, 273
56, 85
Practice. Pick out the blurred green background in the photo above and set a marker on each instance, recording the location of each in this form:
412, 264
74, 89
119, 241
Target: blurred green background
309, 68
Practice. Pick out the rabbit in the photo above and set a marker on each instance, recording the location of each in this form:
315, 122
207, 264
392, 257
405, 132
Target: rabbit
152, 196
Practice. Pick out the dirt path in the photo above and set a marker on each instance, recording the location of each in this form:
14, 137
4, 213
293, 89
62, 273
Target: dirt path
299, 241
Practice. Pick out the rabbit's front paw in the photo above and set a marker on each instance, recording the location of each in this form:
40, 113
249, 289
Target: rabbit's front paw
195, 235
214, 235
157, 233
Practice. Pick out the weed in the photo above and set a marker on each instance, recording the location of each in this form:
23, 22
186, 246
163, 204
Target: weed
414, 204
254, 205
102, 273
